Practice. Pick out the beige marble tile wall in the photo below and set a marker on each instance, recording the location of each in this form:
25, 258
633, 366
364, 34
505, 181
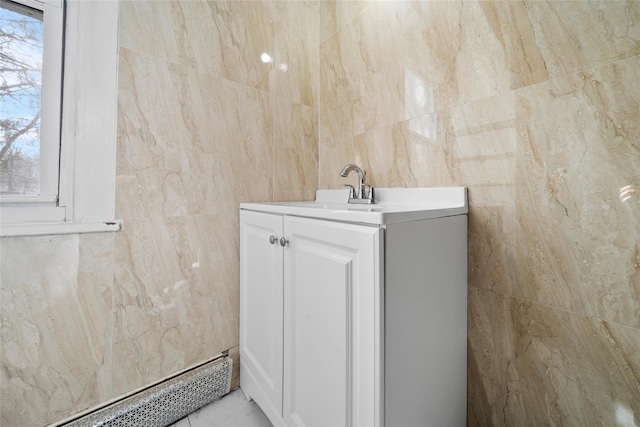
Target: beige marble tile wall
203, 125
57, 313
534, 106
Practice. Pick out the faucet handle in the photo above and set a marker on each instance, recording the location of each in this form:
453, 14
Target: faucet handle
352, 191
371, 194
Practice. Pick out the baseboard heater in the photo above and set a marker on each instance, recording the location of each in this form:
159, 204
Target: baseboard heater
166, 402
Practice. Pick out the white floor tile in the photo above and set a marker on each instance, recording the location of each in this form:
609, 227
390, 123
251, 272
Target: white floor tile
182, 423
233, 410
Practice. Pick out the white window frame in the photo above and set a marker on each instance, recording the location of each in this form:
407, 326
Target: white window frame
83, 199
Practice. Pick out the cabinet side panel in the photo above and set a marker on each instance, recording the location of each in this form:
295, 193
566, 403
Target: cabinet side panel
426, 323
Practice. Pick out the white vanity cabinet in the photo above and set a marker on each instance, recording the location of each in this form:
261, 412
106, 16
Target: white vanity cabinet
354, 323
311, 303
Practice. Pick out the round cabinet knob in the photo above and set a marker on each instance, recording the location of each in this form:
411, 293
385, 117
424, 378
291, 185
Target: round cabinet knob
272, 239
283, 242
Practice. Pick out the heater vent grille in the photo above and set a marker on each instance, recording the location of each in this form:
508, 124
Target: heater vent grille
166, 402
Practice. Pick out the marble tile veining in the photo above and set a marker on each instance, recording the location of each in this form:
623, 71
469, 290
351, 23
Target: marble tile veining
217, 37
547, 366
55, 332
534, 107
570, 172
203, 124
190, 163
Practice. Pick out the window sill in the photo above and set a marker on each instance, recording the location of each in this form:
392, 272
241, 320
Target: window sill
46, 228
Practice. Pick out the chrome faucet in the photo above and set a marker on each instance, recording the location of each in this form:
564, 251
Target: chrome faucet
361, 195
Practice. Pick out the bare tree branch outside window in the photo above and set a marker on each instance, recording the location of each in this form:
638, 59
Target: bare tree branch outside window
20, 98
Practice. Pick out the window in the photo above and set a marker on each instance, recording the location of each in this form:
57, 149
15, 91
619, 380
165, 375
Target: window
75, 154
31, 87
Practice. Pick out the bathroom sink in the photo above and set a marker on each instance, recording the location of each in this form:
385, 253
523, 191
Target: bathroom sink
393, 205
333, 206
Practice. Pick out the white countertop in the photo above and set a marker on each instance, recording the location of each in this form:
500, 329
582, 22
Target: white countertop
394, 205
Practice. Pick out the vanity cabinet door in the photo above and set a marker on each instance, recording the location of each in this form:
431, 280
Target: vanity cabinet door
331, 319
261, 281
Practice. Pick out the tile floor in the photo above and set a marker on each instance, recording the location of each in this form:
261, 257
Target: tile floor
233, 410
